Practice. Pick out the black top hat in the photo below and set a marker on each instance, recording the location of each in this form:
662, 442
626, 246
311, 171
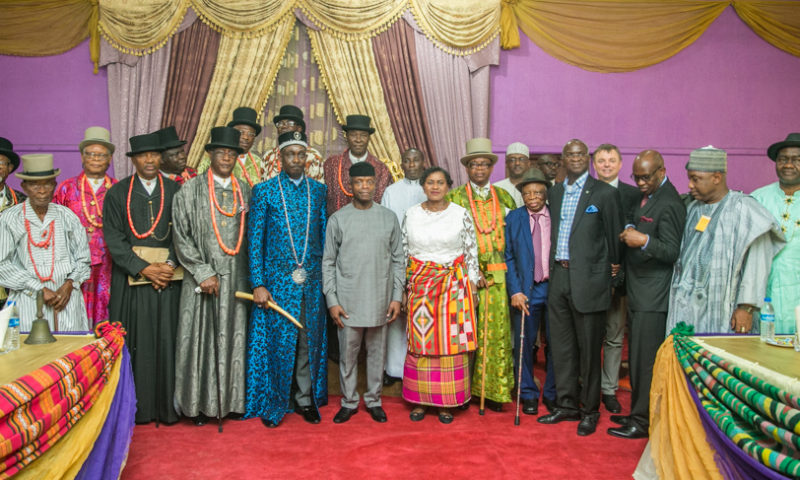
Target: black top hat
532, 175
144, 143
224, 137
245, 116
792, 140
7, 149
358, 122
168, 137
290, 112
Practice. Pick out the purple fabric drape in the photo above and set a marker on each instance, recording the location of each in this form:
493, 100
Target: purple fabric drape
732, 461
455, 96
396, 59
111, 448
191, 66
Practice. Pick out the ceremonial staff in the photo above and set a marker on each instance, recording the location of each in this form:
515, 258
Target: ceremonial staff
272, 305
215, 338
519, 371
485, 346
158, 348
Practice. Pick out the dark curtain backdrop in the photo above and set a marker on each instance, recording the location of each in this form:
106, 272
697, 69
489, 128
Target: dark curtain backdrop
191, 66
396, 58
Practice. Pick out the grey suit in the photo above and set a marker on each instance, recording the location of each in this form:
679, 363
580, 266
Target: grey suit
363, 271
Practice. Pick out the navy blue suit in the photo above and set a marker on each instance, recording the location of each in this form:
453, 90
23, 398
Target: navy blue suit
519, 279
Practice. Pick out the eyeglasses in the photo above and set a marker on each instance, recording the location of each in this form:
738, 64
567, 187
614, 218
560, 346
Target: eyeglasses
784, 160
644, 178
96, 156
286, 123
574, 154
225, 154
247, 134
548, 164
479, 165
4, 164
535, 194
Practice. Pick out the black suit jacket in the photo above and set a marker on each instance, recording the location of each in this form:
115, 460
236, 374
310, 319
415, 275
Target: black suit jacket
631, 197
648, 272
593, 242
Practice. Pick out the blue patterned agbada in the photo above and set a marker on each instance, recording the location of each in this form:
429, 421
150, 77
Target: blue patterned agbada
272, 340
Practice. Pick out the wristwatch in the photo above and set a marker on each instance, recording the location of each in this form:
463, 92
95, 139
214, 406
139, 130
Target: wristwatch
747, 308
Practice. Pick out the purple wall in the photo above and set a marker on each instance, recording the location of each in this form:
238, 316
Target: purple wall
48, 102
730, 89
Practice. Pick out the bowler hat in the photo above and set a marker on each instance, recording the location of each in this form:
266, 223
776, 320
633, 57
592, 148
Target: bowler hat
96, 136
148, 142
7, 149
245, 116
478, 148
224, 137
290, 112
792, 140
358, 122
532, 175
168, 138
38, 166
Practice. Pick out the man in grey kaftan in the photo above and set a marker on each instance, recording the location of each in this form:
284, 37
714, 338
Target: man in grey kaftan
215, 259
728, 244
51, 253
362, 277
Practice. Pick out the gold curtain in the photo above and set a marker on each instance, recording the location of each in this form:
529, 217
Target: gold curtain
777, 22
354, 85
243, 17
142, 26
353, 19
243, 77
458, 26
35, 28
611, 36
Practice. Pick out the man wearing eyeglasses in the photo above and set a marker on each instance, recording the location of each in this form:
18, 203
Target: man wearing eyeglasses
607, 163
782, 199
729, 241
249, 165
290, 119
549, 163
517, 163
9, 161
653, 241
85, 195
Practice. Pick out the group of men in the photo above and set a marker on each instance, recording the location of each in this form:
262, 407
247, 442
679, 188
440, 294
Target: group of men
226, 278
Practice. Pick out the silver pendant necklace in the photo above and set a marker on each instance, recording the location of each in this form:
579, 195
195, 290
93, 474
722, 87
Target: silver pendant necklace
299, 274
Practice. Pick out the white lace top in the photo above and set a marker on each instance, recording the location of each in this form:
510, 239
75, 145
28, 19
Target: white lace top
441, 237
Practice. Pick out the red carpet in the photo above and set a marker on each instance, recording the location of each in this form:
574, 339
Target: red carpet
472, 447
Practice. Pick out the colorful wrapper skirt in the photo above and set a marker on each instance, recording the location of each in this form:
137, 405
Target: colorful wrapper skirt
440, 381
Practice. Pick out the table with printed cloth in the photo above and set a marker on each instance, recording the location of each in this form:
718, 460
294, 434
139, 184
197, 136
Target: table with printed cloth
723, 407
67, 408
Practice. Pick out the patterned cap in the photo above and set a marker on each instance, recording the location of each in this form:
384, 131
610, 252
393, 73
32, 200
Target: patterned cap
708, 159
292, 138
518, 148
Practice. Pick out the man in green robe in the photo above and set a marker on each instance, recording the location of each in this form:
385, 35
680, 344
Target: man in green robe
493, 374
782, 199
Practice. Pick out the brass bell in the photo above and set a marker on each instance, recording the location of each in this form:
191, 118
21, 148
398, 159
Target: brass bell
40, 329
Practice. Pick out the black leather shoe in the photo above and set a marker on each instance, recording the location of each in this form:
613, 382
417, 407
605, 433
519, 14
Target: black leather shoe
530, 406
623, 420
200, 420
388, 380
344, 414
559, 416
463, 407
377, 414
549, 404
235, 416
309, 414
268, 423
612, 404
417, 415
493, 406
588, 425
628, 431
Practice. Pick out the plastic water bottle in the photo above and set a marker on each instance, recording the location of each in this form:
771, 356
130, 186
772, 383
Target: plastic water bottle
767, 321
11, 342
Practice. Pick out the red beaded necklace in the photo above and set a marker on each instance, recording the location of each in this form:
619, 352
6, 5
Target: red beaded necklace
214, 204
341, 185
495, 211
244, 170
50, 238
158, 217
13, 195
97, 210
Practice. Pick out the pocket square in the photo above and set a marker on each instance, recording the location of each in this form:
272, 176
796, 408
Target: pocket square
646, 219
591, 209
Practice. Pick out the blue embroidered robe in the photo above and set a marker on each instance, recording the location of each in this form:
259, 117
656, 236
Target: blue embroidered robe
272, 339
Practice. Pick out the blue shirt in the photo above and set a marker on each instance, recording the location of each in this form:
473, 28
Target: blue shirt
569, 203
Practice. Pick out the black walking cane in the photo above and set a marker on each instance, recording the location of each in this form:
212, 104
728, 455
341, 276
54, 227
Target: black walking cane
158, 348
215, 339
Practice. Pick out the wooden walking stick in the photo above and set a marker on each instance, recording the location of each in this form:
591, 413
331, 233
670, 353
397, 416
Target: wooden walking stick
158, 348
519, 370
215, 330
485, 346
272, 305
